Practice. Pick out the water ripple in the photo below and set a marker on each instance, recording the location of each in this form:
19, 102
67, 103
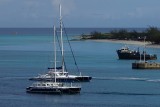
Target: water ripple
127, 78
123, 93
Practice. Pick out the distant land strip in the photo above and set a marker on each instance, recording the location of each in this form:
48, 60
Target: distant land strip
151, 36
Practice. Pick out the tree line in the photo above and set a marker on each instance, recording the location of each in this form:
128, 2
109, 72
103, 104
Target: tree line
152, 34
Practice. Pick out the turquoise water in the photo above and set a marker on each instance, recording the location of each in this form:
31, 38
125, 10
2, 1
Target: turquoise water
24, 55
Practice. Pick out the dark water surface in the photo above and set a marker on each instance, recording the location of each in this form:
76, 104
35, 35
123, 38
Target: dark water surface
27, 53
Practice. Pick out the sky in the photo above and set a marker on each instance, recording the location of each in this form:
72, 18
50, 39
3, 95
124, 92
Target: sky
80, 13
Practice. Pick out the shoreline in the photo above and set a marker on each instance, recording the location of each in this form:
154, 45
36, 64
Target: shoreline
130, 42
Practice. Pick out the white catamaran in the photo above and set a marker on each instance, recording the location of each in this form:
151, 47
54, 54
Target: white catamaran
53, 87
61, 74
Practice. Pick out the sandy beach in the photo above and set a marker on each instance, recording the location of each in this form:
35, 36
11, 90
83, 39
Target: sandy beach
131, 42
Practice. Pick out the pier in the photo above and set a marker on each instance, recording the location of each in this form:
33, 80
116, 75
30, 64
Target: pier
145, 65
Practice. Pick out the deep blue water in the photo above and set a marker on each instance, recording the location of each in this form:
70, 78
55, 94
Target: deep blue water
26, 53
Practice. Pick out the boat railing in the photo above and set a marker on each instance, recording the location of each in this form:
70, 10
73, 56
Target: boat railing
72, 84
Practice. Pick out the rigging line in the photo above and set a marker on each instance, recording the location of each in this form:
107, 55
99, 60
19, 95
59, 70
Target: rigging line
61, 49
70, 48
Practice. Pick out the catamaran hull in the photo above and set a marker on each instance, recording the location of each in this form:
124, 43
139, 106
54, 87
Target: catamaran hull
75, 79
84, 78
71, 90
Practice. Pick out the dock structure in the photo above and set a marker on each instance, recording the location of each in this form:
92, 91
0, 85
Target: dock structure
145, 65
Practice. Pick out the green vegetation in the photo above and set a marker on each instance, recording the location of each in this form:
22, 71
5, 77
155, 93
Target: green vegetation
151, 34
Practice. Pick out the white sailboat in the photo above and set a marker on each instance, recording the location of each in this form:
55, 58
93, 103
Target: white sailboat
53, 87
61, 74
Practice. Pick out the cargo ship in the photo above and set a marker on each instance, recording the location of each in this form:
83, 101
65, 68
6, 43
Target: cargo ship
128, 54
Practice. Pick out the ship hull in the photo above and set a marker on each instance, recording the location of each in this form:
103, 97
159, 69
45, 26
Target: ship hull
135, 56
71, 90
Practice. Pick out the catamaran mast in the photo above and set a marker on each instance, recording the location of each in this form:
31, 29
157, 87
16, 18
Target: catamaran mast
61, 33
55, 49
